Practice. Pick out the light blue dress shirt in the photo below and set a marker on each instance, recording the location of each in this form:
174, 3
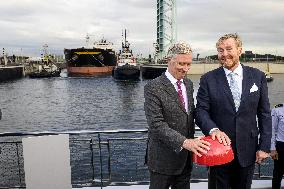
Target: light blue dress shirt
277, 126
239, 78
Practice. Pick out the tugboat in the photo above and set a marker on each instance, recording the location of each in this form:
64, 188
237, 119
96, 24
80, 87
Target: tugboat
126, 68
46, 71
46, 68
88, 61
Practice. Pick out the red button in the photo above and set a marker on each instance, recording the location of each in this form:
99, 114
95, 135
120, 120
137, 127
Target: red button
217, 155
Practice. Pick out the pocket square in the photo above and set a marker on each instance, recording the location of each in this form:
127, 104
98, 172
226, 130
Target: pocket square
253, 88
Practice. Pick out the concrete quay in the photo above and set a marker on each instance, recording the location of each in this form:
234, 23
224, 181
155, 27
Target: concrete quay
11, 72
272, 67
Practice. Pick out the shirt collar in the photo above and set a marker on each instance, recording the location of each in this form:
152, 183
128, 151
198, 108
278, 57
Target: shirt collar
171, 77
238, 71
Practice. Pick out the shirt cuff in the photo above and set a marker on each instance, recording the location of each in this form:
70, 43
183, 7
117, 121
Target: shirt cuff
214, 129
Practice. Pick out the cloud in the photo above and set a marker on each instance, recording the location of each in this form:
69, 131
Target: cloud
259, 22
29, 24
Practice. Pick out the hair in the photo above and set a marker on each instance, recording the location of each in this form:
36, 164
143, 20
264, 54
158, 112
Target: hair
235, 36
178, 48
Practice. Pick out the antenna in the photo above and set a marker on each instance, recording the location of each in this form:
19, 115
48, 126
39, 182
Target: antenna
87, 40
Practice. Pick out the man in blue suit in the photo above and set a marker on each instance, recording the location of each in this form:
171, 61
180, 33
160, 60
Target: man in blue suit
233, 107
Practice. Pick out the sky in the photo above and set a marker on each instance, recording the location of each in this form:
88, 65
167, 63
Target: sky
27, 25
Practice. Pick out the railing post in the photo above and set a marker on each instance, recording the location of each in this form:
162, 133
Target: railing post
109, 159
259, 171
101, 159
19, 168
92, 159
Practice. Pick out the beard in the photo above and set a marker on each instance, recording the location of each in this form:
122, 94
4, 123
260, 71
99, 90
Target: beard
229, 62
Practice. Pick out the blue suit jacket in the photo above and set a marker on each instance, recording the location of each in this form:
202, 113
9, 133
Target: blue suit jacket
250, 127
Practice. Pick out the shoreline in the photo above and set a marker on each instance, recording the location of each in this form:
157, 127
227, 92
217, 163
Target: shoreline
272, 68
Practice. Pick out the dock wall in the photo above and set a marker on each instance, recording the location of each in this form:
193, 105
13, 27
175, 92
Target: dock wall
201, 68
11, 72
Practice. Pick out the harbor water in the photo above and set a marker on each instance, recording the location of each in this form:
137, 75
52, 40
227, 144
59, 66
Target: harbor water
98, 103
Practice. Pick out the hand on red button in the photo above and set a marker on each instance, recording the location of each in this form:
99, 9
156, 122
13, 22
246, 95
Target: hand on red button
217, 155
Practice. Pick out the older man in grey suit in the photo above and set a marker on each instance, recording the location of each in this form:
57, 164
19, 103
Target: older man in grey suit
169, 111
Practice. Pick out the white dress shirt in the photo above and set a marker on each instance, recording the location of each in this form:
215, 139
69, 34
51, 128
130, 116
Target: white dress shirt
174, 82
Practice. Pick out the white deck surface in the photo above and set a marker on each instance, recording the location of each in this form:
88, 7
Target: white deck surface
256, 184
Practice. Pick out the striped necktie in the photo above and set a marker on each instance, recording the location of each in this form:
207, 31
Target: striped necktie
180, 93
235, 89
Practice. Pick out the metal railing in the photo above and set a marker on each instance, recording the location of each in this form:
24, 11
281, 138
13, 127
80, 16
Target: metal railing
98, 158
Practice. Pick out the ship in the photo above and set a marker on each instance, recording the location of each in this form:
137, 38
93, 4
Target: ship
127, 68
45, 68
46, 71
91, 61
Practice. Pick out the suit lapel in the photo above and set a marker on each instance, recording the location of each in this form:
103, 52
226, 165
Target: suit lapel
246, 83
170, 89
189, 92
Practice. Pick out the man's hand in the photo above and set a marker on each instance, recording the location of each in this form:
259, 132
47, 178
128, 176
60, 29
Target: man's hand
260, 156
274, 154
197, 146
221, 137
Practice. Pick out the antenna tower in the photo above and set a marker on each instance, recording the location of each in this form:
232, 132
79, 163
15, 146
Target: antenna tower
166, 27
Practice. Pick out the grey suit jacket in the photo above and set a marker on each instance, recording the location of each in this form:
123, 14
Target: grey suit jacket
169, 125
249, 128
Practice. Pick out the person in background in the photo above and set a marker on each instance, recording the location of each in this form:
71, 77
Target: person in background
228, 101
169, 108
277, 145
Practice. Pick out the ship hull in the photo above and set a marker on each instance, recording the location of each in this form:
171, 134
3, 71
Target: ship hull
44, 74
89, 71
153, 71
89, 62
127, 72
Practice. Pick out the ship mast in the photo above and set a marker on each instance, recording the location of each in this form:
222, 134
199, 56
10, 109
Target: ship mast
125, 44
87, 41
124, 36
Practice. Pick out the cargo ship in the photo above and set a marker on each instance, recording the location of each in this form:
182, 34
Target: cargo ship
97, 60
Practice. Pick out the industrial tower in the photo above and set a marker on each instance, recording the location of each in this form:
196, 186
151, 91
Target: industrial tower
166, 26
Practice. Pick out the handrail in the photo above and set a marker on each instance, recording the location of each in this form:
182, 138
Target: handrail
73, 132
101, 148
